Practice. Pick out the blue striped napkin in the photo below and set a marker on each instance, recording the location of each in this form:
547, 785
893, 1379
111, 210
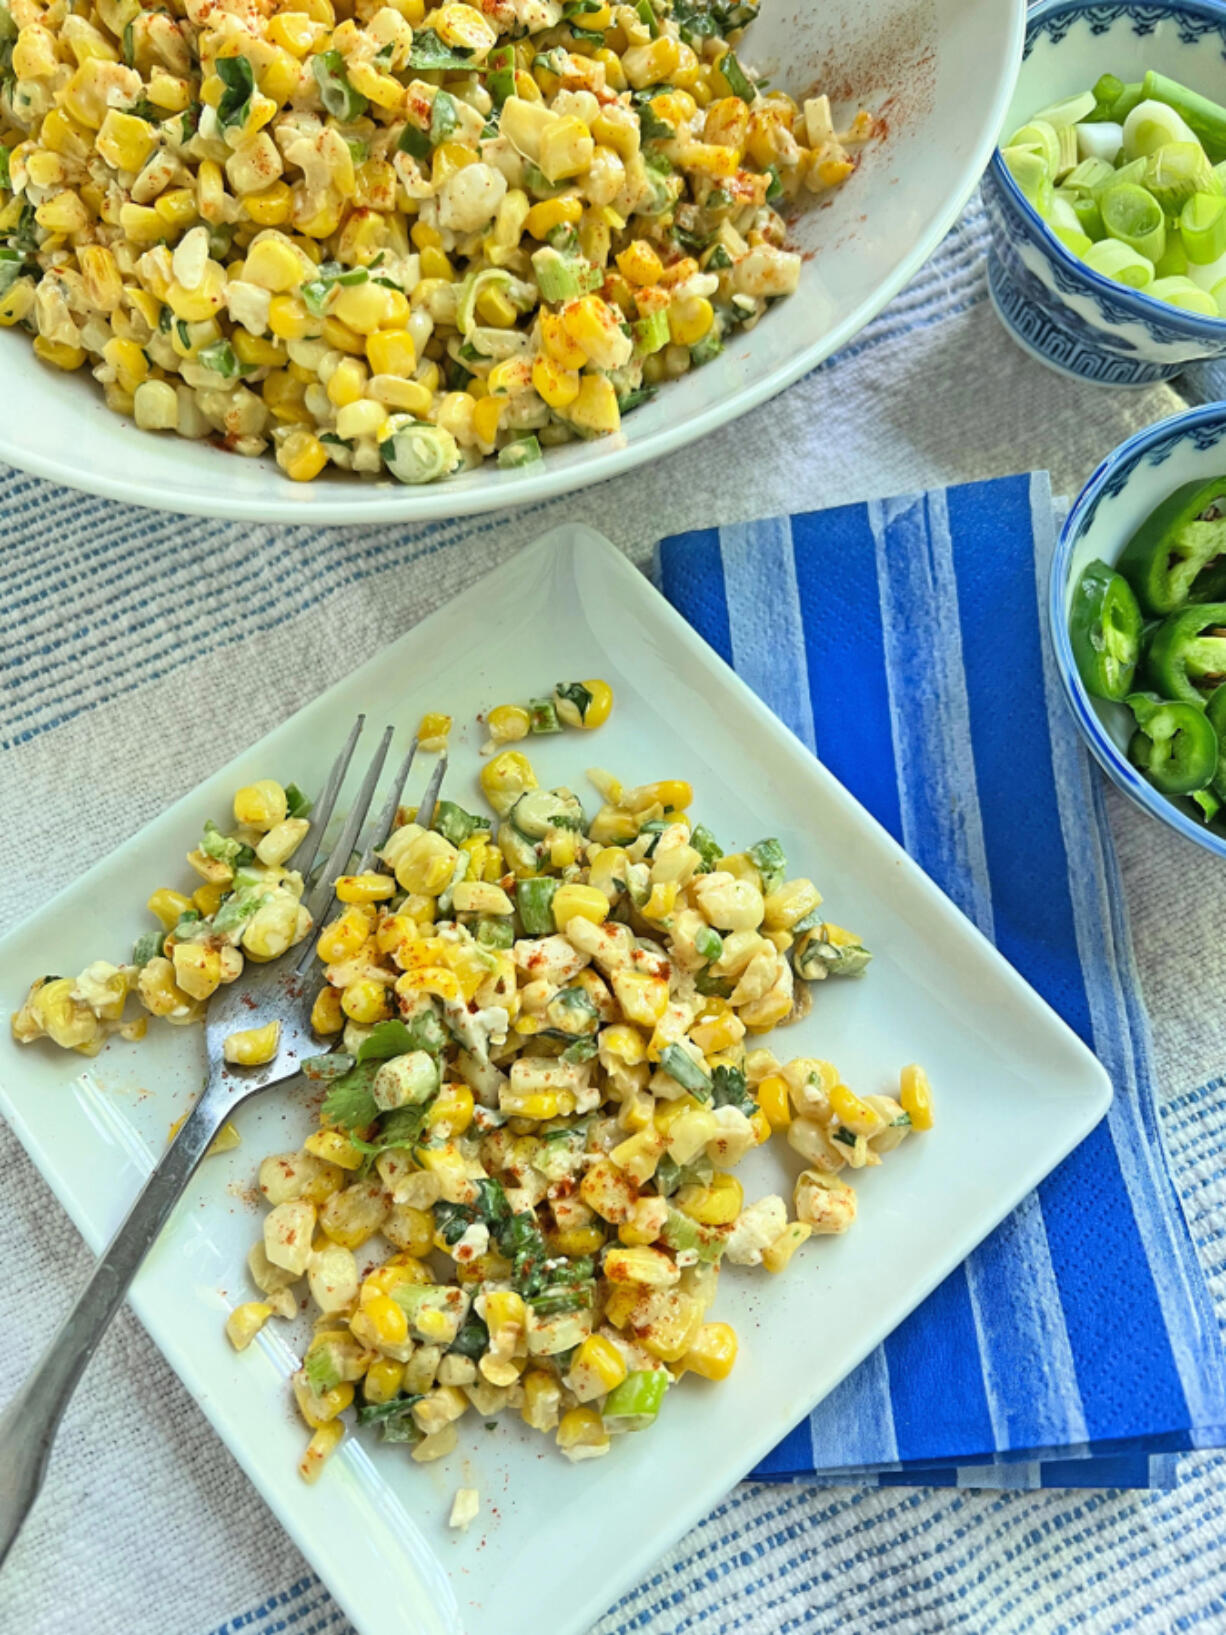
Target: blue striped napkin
902, 641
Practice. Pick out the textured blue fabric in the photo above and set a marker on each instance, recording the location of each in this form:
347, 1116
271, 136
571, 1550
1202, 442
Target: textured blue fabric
906, 647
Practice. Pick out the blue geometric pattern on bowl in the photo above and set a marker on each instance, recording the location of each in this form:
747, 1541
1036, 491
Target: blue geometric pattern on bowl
1201, 429
1056, 307
1192, 25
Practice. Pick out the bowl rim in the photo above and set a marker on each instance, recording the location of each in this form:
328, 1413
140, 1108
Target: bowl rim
1125, 459
394, 503
1144, 306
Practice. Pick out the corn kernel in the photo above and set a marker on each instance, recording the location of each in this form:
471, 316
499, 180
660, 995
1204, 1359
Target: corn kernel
713, 1351
773, 1100
252, 1047
245, 1322
302, 456
915, 1097
776, 1258
323, 1444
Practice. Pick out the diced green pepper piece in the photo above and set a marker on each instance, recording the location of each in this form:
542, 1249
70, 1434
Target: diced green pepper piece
635, 1403
534, 898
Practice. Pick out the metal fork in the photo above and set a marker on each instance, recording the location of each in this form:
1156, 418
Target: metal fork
280, 990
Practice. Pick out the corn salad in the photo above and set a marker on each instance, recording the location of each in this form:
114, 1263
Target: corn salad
550, 1062
393, 237
549, 1058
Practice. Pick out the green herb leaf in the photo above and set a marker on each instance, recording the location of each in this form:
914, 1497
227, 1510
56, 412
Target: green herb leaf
350, 1103
652, 127
296, 803
238, 77
415, 141
429, 55
739, 81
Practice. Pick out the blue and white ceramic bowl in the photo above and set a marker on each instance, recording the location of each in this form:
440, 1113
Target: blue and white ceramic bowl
1129, 484
1051, 303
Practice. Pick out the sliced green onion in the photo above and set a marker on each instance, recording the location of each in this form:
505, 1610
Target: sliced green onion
1202, 227
1089, 216
1107, 92
1068, 152
1103, 141
417, 452
1184, 294
1150, 126
1091, 174
1134, 171
1120, 262
1219, 295
1173, 262
1063, 214
1206, 119
1041, 139
1176, 171
1074, 240
1134, 217
1208, 276
1031, 175
1072, 110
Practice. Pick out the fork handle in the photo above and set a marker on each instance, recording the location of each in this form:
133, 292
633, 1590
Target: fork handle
30, 1421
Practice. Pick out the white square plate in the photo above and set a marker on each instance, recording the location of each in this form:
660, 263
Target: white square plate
1015, 1092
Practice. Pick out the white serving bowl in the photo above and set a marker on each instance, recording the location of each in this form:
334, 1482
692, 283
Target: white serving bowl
1130, 484
939, 72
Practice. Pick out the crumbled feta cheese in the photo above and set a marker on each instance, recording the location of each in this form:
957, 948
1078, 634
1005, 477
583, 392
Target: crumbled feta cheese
755, 1230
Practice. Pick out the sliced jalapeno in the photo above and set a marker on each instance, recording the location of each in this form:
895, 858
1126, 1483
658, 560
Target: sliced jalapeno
1187, 655
1215, 714
1178, 554
1105, 630
1174, 744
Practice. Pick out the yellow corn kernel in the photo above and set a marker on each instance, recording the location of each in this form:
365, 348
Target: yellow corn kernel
915, 1097
168, 906
289, 319
486, 417
643, 999
58, 354
128, 361
124, 141
323, 1444
640, 264
453, 1107
785, 1246
245, 1322
326, 1014
382, 1380
208, 898
508, 723
434, 264
595, 409
689, 320
585, 902
65, 136
273, 265
661, 902
581, 1434
601, 1358
566, 148
302, 456
344, 936
271, 206
261, 805
854, 1114
551, 213
318, 1408
718, 1203
177, 207
334, 1147
18, 302
387, 1319
367, 307
249, 1047
557, 386
717, 1033
713, 1351
773, 1100
365, 1001
343, 338
506, 778
558, 344
365, 888
391, 352
761, 1127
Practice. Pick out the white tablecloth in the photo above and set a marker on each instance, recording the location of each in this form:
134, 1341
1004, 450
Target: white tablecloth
128, 639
